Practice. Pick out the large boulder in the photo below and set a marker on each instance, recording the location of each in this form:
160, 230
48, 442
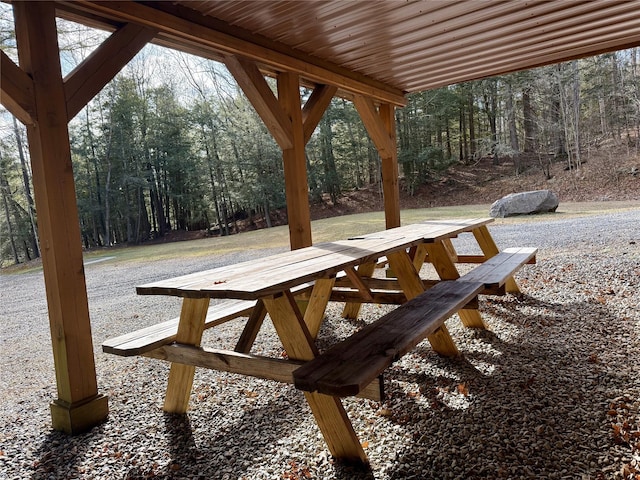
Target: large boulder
524, 203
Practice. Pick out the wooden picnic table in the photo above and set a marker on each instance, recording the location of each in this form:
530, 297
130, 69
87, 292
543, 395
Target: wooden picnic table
272, 281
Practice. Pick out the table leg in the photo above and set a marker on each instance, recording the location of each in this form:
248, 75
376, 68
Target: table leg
446, 268
352, 309
327, 410
251, 329
490, 249
314, 313
412, 286
190, 328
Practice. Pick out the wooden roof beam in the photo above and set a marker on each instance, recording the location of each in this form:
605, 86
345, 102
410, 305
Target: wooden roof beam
257, 90
209, 33
104, 63
315, 107
16, 90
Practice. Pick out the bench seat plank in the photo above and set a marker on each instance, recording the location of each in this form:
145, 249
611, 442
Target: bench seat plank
347, 367
499, 268
149, 338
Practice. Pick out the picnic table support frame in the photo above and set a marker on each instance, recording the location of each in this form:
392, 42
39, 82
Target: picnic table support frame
440, 258
490, 249
328, 411
412, 285
190, 328
352, 309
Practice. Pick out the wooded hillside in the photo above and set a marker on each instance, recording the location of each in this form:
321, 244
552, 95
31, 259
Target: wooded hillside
172, 144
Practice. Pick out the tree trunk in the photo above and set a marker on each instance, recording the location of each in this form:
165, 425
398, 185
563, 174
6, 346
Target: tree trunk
511, 119
4, 187
26, 182
529, 122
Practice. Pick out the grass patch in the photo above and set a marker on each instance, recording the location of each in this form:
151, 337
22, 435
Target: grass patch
328, 229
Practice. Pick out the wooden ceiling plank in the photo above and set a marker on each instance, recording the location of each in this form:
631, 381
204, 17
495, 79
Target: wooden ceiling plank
16, 90
442, 25
193, 26
507, 64
552, 48
474, 41
257, 90
315, 107
99, 68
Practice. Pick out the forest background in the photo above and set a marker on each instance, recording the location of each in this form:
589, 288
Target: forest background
172, 149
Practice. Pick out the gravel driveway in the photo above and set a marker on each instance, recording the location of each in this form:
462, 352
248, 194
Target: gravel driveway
551, 391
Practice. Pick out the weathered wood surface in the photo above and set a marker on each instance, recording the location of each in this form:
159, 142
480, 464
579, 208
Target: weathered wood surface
276, 273
348, 366
277, 369
496, 271
271, 275
153, 336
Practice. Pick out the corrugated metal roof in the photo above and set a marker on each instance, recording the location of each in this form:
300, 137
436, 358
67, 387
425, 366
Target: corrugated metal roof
420, 45
390, 46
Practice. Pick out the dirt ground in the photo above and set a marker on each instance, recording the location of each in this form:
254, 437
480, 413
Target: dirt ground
609, 173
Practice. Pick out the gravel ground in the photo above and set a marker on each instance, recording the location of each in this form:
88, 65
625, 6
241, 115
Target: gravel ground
551, 391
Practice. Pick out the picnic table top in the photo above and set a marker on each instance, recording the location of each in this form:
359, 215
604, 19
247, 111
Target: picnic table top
271, 275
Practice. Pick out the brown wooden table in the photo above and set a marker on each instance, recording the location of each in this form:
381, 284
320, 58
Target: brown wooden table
271, 279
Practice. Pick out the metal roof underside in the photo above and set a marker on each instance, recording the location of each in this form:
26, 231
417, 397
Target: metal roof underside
407, 46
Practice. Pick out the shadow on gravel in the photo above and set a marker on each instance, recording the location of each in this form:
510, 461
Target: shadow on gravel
549, 371
61, 456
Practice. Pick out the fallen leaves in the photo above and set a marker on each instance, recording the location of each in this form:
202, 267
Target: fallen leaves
463, 389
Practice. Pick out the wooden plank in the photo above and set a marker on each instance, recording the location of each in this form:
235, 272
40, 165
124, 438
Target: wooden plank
358, 283
190, 328
389, 169
381, 128
490, 249
255, 87
153, 336
498, 269
16, 90
102, 65
349, 365
328, 411
352, 297
251, 280
382, 284
276, 369
375, 126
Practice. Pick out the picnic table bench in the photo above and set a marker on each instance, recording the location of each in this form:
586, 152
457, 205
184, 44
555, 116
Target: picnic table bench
318, 273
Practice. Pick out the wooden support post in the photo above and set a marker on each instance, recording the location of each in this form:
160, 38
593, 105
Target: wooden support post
381, 126
328, 411
291, 126
79, 406
190, 328
295, 164
412, 286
